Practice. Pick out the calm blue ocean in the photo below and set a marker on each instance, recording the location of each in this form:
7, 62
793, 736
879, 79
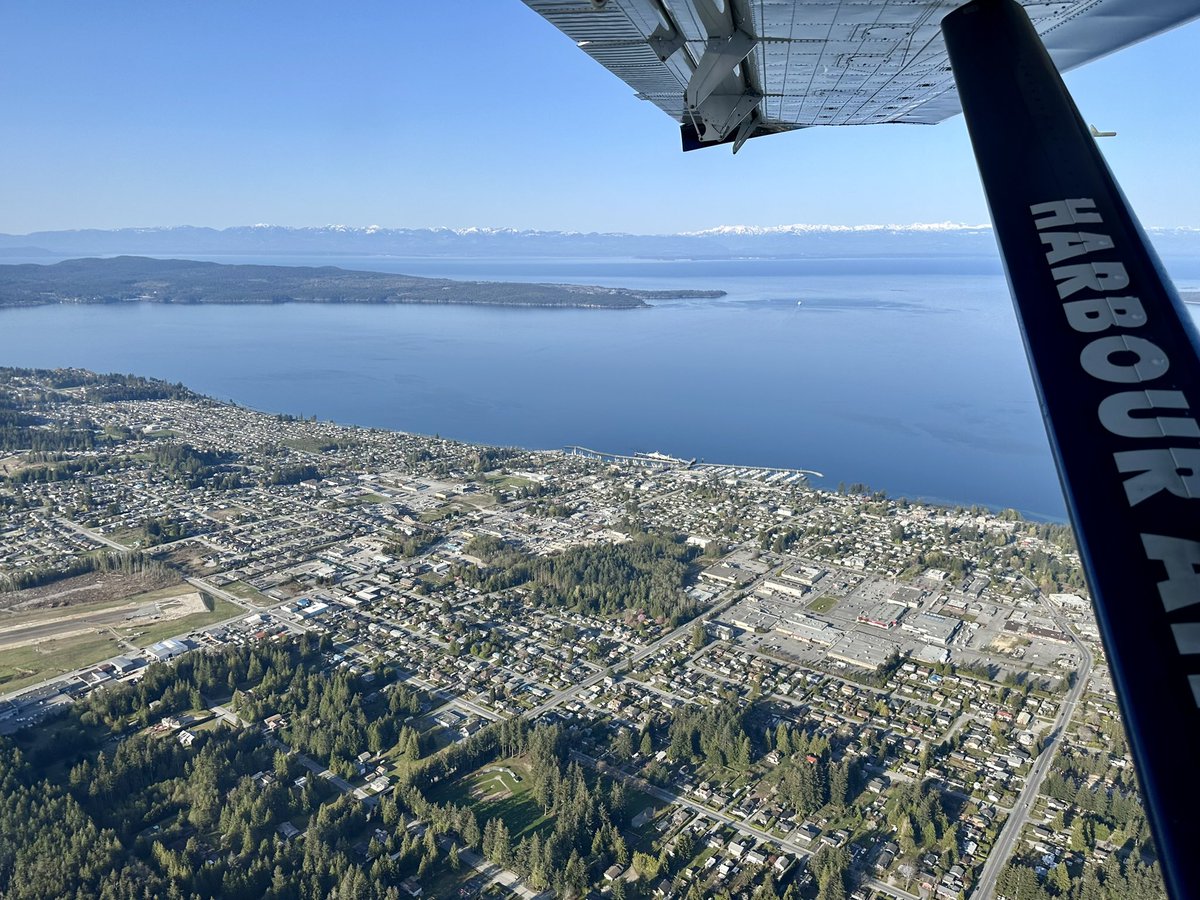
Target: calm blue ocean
907, 375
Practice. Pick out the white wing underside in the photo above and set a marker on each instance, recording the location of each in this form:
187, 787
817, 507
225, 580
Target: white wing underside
733, 68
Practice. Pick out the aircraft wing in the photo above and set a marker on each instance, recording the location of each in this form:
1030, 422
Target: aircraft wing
727, 70
1113, 352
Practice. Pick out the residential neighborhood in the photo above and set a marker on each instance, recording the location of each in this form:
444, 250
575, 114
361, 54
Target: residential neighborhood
761, 687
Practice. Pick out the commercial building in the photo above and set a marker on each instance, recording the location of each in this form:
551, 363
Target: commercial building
167, 649
932, 627
862, 650
809, 628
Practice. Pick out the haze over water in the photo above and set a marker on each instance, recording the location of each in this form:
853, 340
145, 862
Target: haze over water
908, 375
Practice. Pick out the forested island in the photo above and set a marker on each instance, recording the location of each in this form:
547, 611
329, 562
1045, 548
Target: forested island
137, 279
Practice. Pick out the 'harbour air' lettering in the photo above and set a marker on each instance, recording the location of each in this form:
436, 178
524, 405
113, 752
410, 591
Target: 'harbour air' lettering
1065, 212
1097, 276
1143, 414
1180, 557
1102, 313
1174, 470
1066, 245
1117, 414
1097, 359
1187, 637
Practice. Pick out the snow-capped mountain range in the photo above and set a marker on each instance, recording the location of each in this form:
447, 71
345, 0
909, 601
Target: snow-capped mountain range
726, 241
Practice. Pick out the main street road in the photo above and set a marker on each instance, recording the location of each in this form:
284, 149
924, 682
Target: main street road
89, 533
1002, 850
453, 700
225, 595
565, 695
737, 824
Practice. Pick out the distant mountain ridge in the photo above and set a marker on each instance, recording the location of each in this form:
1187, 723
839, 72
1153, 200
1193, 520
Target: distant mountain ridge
949, 239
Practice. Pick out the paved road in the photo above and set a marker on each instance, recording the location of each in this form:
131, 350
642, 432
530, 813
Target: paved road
65, 626
324, 772
89, 533
311, 764
956, 726
738, 824
225, 595
1003, 848
496, 874
452, 701
684, 629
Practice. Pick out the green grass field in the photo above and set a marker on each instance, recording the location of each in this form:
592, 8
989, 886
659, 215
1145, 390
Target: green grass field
497, 789
364, 499
508, 482
822, 604
312, 445
23, 666
246, 592
160, 631
127, 537
477, 501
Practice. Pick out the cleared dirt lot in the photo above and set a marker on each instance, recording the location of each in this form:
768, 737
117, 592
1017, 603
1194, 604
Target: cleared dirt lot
95, 587
34, 626
57, 630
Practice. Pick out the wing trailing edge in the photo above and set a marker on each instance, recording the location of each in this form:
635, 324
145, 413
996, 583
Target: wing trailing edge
728, 70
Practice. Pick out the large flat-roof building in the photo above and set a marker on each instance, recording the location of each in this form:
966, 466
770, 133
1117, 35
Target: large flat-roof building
167, 649
809, 628
862, 650
932, 627
793, 590
751, 616
880, 615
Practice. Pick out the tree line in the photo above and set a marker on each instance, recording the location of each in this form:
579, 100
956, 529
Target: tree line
644, 574
119, 562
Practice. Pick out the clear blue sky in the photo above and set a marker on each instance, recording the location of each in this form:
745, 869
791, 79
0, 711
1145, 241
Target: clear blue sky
470, 112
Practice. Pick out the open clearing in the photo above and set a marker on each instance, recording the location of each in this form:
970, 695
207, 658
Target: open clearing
36, 644
189, 555
94, 587
497, 789
822, 604
248, 593
1006, 643
30, 627
10, 464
